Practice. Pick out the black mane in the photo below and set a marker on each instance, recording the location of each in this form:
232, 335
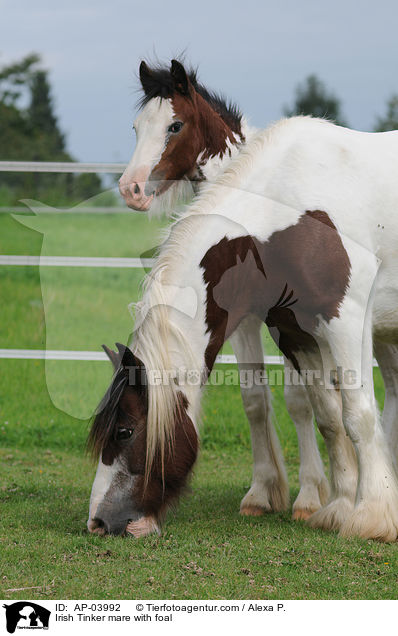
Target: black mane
162, 85
105, 422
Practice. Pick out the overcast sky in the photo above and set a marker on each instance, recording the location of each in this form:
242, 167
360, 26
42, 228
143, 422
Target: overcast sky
255, 52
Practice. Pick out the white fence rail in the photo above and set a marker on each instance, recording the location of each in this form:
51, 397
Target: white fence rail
75, 261
65, 167
75, 210
72, 261
54, 354
61, 166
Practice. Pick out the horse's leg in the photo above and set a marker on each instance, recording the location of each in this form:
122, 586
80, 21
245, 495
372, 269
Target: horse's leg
326, 404
314, 486
269, 489
387, 357
375, 515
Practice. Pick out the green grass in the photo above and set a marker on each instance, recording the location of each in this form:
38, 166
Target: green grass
206, 550
123, 235
60, 303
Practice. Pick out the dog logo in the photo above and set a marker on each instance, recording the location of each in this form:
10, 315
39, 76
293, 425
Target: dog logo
26, 615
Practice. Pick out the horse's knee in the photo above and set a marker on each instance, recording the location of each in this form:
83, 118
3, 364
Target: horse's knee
297, 402
361, 420
256, 402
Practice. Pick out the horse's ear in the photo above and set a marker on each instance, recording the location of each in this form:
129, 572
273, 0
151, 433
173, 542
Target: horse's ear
146, 77
113, 356
127, 357
136, 368
180, 78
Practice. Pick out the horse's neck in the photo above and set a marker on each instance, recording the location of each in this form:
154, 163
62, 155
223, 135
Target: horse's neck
215, 165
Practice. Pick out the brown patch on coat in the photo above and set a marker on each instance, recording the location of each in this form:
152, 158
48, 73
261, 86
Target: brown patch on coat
154, 494
204, 131
298, 274
165, 485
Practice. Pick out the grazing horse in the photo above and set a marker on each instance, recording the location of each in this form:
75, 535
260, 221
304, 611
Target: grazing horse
186, 137
316, 262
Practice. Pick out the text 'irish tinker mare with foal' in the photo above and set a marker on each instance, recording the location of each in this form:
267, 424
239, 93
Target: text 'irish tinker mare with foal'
294, 226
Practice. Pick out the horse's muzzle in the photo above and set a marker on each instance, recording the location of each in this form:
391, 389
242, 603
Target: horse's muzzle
102, 527
134, 195
112, 519
155, 184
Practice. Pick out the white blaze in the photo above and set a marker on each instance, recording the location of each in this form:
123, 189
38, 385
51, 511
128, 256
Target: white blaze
101, 485
151, 129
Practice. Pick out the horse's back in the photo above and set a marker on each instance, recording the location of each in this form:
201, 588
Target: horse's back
313, 164
305, 164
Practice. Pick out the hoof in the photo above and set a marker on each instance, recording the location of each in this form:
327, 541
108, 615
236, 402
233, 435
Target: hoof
310, 499
302, 514
252, 511
273, 497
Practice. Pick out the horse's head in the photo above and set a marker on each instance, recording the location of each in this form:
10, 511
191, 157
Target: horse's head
181, 127
137, 476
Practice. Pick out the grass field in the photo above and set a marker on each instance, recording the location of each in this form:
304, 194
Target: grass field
206, 550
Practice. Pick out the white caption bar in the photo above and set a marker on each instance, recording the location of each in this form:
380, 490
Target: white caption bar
177, 618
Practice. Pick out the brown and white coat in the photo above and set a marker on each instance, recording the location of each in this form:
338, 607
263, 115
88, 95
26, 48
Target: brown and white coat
310, 269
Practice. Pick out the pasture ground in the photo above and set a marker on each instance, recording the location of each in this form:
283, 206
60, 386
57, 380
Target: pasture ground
206, 550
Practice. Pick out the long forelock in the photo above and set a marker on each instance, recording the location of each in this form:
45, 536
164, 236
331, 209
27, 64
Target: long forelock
105, 421
162, 85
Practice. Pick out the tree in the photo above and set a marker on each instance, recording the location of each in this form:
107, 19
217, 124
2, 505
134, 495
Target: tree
14, 78
41, 116
390, 119
312, 98
33, 133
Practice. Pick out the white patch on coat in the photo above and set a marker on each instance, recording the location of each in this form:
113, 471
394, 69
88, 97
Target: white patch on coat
102, 482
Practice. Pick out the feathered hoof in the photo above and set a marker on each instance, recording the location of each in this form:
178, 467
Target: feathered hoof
333, 515
373, 520
272, 497
310, 499
302, 514
253, 511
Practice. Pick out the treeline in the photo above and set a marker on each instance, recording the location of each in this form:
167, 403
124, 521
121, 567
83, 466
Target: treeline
313, 98
29, 131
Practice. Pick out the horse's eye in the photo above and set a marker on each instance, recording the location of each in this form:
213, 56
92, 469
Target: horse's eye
175, 127
124, 433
